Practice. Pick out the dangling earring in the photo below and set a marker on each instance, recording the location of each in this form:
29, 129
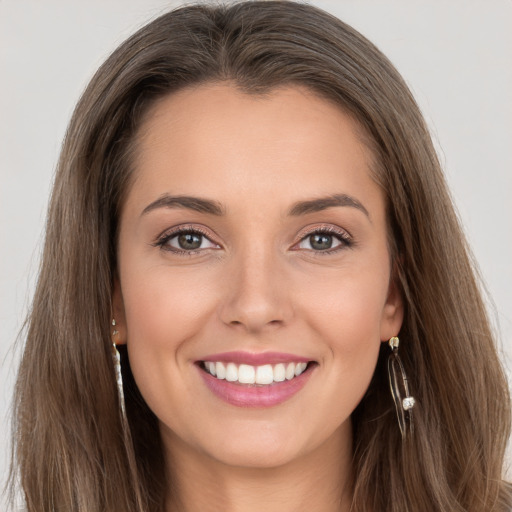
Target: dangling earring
117, 368
124, 419
397, 374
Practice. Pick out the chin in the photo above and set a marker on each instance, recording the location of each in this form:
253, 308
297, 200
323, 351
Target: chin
260, 455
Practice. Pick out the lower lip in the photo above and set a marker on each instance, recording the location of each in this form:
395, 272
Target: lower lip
253, 395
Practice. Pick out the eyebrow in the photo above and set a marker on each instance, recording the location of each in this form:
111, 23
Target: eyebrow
211, 207
322, 203
188, 202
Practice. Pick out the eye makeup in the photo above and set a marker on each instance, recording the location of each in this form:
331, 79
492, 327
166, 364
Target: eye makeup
189, 240
318, 235
185, 234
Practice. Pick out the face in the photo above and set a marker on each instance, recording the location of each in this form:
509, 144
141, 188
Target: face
254, 273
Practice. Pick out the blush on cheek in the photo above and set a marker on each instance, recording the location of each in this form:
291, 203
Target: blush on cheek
158, 302
352, 316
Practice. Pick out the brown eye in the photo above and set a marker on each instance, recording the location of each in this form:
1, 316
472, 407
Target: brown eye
186, 241
319, 241
189, 241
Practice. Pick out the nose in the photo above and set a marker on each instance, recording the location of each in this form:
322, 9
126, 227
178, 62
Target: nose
255, 296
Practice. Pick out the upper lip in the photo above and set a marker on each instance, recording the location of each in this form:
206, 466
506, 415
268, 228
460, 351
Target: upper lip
255, 359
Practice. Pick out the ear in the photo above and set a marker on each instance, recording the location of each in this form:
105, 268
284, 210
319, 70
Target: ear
393, 312
118, 314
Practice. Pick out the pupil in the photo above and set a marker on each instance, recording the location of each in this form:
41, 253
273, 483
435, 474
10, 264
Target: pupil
321, 242
189, 241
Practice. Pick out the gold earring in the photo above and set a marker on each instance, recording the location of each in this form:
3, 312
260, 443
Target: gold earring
397, 380
117, 369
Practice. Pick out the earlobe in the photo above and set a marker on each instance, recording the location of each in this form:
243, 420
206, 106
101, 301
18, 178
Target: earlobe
393, 313
118, 329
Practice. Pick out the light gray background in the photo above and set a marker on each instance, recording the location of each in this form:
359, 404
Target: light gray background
456, 57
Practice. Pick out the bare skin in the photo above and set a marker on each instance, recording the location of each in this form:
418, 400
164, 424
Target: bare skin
291, 487
288, 254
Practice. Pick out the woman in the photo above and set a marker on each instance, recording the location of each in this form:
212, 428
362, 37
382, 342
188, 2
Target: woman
248, 208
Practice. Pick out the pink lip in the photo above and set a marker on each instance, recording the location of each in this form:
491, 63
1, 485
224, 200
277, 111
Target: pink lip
253, 395
253, 359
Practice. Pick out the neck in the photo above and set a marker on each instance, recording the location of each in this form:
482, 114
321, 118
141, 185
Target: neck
318, 480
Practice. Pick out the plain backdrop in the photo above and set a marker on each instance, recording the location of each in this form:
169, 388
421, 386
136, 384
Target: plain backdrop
456, 56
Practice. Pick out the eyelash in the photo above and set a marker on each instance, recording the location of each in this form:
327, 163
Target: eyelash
346, 241
163, 239
344, 238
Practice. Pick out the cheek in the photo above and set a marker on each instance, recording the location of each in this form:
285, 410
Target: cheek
346, 314
347, 307
164, 311
162, 305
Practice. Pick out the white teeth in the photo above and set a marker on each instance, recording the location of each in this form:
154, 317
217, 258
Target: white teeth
290, 371
264, 374
211, 368
300, 368
279, 372
246, 374
220, 370
231, 372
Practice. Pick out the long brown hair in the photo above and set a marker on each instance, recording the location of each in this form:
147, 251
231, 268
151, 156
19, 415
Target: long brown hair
71, 453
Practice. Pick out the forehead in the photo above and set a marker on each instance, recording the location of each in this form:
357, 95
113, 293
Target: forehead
214, 139
272, 116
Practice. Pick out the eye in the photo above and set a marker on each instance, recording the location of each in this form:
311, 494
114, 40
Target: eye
325, 240
186, 240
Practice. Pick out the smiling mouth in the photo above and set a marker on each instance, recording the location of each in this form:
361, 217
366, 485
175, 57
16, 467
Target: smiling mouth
262, 375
